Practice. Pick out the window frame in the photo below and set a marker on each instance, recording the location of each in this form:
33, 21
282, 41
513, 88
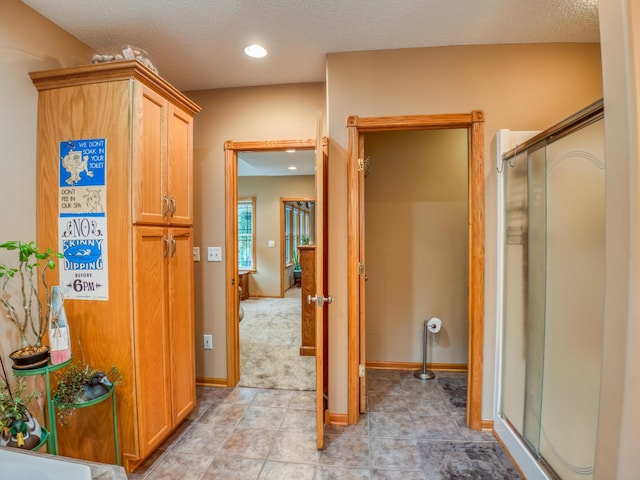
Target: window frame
298, 220
246, 201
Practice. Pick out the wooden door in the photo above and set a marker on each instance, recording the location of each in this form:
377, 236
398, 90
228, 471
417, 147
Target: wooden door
152, 366
180, 167
322, 314
150, 204
362, 277
181, 327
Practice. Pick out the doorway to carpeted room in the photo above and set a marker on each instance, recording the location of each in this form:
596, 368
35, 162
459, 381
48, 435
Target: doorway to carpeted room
270, 339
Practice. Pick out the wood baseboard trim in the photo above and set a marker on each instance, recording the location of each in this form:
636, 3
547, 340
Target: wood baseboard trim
130, 463
211, 382
337, 418
486, 425
308, 351
439, 367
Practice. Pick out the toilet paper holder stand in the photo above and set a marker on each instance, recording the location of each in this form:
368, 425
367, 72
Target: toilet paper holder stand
432, 325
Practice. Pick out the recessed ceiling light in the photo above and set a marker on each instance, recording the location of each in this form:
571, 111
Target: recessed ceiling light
292, 167
255, 51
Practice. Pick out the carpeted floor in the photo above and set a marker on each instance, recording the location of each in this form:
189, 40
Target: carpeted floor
270, 340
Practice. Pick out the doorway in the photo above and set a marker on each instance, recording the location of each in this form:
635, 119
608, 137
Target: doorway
357, 127
320, 146
265, 272
297, 227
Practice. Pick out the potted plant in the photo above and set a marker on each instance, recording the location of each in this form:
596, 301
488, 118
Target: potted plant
23, 307
297, 269
18, 428
81, 383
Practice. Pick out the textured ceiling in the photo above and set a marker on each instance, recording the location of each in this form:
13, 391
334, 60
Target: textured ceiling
198, 44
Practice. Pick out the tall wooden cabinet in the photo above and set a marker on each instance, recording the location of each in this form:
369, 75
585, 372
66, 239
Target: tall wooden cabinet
145, 327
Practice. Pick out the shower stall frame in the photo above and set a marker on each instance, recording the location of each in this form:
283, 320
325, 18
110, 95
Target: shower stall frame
508, 145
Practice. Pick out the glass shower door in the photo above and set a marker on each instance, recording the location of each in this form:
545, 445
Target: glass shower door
575, 301
554, 298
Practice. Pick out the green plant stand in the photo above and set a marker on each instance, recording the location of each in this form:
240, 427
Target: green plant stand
110, 394
43, 439
50, 414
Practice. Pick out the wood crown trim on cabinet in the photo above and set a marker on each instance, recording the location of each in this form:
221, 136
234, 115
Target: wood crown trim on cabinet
108, 72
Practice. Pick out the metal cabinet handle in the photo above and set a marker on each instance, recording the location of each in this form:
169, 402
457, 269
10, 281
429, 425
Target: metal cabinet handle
174, 245
166, 246
173, 205
165, 206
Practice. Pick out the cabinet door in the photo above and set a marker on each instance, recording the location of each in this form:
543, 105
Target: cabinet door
150, 200
180, 167
181, 322
152, 362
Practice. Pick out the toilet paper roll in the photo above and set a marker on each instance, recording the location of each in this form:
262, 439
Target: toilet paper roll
434, 325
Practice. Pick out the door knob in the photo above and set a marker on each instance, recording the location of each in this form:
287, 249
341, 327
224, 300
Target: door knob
319, 300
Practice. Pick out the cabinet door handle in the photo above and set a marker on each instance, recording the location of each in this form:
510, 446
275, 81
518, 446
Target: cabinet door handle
165, 206
166, 246
173, 205
174, 245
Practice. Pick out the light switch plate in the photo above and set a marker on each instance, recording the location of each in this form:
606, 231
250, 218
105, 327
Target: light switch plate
196, 254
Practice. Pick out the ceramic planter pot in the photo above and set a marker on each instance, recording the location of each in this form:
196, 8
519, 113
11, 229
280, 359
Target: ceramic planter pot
30, 357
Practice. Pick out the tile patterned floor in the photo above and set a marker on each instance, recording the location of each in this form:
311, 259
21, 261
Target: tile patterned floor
413, 431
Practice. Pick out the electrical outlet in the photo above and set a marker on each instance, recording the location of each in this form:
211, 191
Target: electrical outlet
208, 342
196, 254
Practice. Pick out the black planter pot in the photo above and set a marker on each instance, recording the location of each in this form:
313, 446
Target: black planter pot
28, 360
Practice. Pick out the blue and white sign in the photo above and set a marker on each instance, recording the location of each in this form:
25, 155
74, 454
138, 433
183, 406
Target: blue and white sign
82, 223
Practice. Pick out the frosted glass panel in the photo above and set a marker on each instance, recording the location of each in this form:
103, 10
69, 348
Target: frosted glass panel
515, 275
575, 301
554, 298
536, 294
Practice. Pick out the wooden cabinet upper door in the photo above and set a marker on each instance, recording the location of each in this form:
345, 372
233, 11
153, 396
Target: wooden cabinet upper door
150, 201
180, 167
181, 328
153, 364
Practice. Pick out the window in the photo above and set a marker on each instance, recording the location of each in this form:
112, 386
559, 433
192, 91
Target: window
246, 234
288, 252
296, 227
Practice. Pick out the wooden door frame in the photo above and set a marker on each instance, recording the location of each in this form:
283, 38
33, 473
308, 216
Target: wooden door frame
231, 150
474, 123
